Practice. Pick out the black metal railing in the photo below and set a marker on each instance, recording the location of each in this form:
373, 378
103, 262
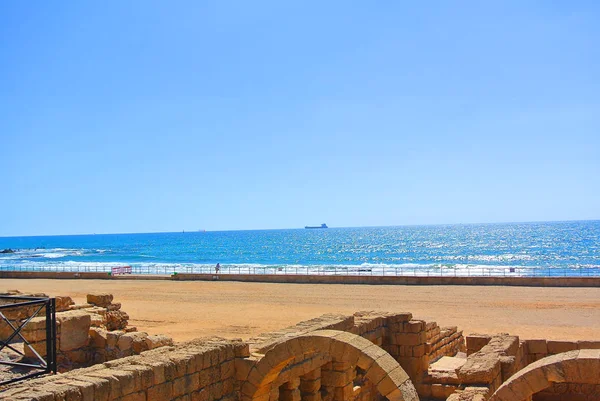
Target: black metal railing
25, 366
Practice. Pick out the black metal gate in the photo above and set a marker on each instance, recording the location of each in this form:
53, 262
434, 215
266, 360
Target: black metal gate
14, 343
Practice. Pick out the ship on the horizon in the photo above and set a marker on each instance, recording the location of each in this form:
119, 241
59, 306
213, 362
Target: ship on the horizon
321, 226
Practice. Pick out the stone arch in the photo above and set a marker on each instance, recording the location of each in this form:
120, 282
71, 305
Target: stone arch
581, 366
381, 368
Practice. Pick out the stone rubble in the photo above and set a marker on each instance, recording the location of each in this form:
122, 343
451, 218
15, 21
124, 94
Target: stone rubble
90, 333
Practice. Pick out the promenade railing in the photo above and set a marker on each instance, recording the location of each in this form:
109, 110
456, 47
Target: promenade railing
416, 271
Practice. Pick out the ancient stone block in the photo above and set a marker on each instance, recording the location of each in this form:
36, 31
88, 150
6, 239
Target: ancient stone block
537, 346
113, 307
99, 299
157, 341
97, 337
85, 388
78, 356
343, 393
418, 350
116, 320
184, 385
414, 326
201, 395
34, 335
217, 390
227, 369
390, 381
475, 342
137, 343
125, 342
130, 380
409, 338
139, 396
398, 317
97, 320
442, 391
75, 327
556, 347
480, 368
312, 397
310, 386
63, 303
588, 344
415, 367
112, 337
337, 378
312, 375
289, 395
101, 386
241, 350
160, 392
507, 366
143, 373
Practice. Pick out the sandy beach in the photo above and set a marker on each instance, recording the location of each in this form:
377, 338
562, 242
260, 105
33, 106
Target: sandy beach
185, 310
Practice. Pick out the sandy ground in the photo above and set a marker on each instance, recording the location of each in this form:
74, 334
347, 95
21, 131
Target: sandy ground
185, 310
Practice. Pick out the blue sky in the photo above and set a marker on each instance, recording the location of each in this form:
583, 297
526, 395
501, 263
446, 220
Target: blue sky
144, 116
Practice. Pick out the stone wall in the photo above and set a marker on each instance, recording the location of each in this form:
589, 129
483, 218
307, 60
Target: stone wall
200, 370
395, 280
445, 341
323, 279
540, 348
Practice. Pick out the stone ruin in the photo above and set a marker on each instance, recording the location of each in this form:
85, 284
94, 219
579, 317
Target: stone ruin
367, 356
86, 334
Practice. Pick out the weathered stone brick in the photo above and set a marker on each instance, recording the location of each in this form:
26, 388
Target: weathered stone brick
556, 347
139, 396
99, 299
160, 392
75, 327
184, 385
537, 346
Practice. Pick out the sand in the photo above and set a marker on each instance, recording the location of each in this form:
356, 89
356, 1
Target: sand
185, 310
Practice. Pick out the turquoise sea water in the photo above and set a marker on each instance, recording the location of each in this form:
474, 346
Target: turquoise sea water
554, 248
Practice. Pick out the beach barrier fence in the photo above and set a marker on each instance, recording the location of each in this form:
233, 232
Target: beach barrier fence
416, 271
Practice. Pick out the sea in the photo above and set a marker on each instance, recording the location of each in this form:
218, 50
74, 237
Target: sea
508, 249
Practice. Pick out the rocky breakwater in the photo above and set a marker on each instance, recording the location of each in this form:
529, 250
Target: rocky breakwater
91, 333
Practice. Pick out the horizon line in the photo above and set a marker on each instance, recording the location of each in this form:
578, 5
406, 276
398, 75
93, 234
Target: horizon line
301, 228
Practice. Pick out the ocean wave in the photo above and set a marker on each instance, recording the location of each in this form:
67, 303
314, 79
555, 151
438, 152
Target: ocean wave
47, 253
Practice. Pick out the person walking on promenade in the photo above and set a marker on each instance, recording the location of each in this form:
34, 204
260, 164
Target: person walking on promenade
217, 268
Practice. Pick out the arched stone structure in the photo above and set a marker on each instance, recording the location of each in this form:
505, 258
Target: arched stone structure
309, 350
581, 366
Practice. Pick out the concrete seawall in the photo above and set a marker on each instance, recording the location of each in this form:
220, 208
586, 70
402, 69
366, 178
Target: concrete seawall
323, 279
55, 275
399, 280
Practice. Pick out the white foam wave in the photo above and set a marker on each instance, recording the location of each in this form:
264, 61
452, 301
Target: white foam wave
47, 253
56, 255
